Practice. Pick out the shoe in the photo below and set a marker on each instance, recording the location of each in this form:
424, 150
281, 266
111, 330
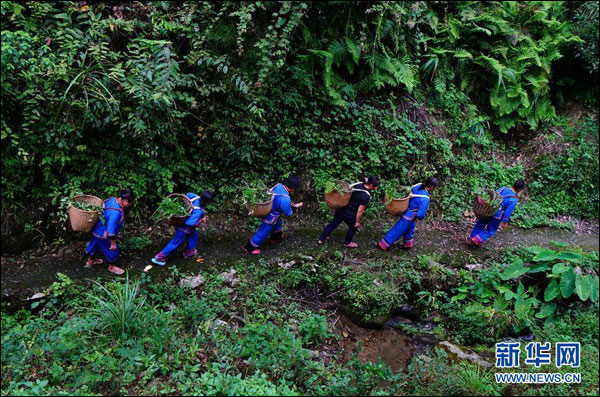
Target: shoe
94, 262
116, 270
381, 246
159, 263
351, 245
322, 242
188, 256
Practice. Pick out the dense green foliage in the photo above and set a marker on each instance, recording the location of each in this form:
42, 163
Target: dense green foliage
162, 96
147, 337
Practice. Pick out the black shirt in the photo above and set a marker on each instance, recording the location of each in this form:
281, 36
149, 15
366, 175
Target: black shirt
357, 199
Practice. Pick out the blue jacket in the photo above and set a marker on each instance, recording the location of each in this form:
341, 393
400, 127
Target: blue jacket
509, 202
113, 220
419, 204
282, 204
197, 213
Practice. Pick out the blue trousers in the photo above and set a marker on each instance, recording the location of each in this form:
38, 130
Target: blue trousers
98, 244
187, 233
270, 225
484, 229
405, 227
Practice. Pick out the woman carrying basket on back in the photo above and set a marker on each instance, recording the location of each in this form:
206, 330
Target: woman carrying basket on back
188, 231
485, 228
106, 232
353, 212
271, 224
417, 208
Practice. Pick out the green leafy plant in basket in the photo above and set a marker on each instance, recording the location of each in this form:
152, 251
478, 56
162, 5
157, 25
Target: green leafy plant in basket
254, 192
169, 207
337, 186
90, 207
393, 190
490, 197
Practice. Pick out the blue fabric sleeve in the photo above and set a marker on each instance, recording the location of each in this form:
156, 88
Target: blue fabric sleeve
423, 205
195, 217
509, 210
286, 206
112, 222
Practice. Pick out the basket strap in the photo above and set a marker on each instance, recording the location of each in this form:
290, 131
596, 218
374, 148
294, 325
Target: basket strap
277, 194
195, 207
417, 195
360, 190
509, 196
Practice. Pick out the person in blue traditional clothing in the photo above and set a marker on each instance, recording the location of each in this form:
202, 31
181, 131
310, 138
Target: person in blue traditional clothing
106, 232
417, 208
485, 228
188, 231
271, 224
353, 212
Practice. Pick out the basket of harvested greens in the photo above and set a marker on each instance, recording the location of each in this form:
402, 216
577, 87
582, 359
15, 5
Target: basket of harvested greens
257, 199
84, 211
337, 194
486, 204
393, 205
174, 208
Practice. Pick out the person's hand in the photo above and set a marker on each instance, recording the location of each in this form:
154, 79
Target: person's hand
113, 246
298, 205
503, 225
357, 224
203, 219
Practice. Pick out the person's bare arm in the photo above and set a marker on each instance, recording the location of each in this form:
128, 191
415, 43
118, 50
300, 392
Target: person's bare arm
359, 214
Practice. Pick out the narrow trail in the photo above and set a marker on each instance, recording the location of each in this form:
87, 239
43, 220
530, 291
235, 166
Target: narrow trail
22, 278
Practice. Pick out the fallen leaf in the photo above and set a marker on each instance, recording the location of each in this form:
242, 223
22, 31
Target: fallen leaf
199, 260
147, 268
345, 334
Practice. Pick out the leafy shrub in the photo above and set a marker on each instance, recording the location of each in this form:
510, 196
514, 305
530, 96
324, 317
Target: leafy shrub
119, 307
313, 329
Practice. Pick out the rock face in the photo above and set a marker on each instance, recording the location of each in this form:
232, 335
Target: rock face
472, 357
230, 278
192, 281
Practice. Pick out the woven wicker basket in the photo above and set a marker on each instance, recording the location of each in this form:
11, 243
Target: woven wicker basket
397, 207
335, 200
260, 210
84, 221
482, 209
180, 220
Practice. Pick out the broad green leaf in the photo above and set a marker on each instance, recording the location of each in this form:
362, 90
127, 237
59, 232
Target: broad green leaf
545, 255
546, 310
522, 307
458, 297
520, 288
552, 291
534, 250
594, 293
560, 268
539, 268
567, 283
583, 287
569, 256
515, 270
559, 244
552, 320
